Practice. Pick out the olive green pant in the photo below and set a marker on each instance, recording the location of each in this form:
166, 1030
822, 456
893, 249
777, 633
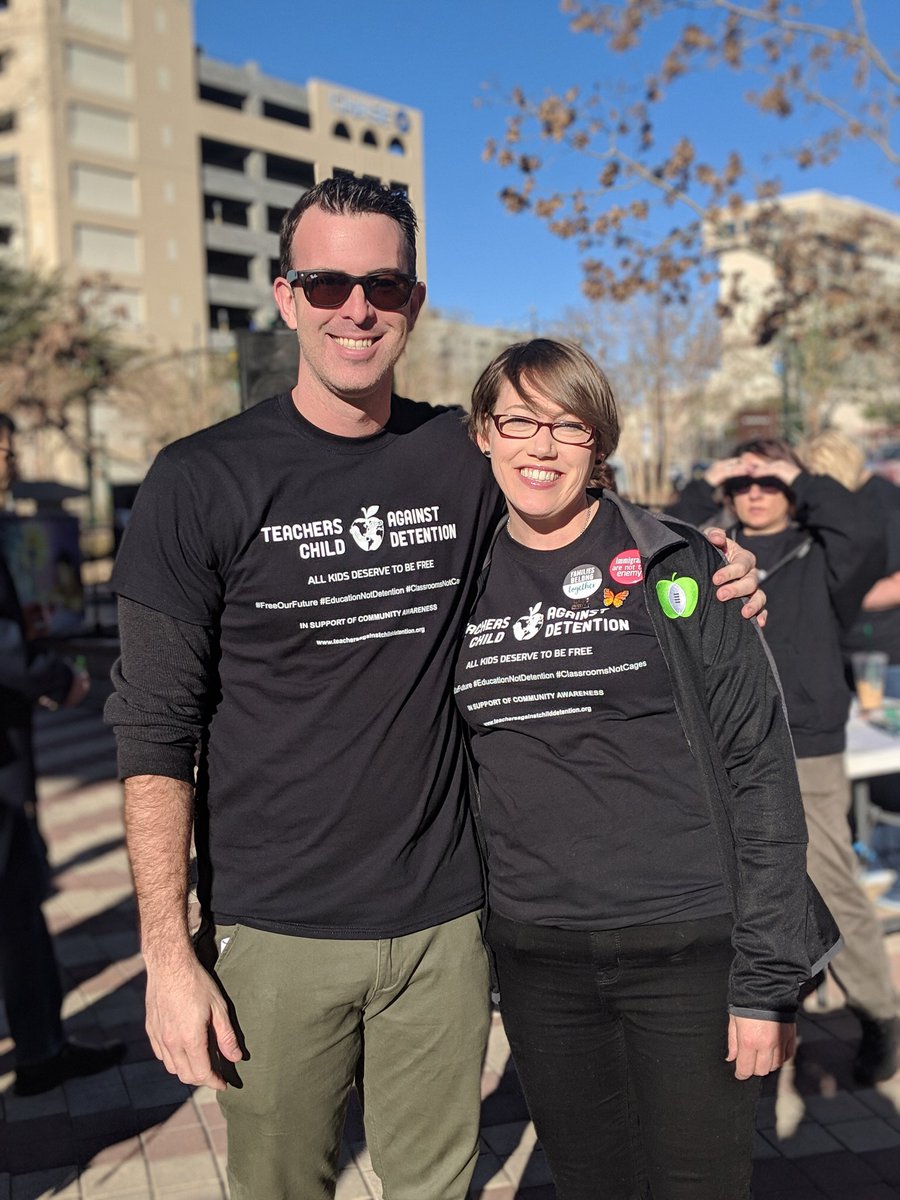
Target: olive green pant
412, 1012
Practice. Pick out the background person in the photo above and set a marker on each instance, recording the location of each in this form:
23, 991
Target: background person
876, 628
29, 975
643, 827
820, 551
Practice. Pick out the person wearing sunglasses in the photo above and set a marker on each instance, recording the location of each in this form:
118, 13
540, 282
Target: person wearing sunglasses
292, 589
643, 829
820, 549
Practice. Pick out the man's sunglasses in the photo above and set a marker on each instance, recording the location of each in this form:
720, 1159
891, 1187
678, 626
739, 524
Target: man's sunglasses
769, 485
388, 290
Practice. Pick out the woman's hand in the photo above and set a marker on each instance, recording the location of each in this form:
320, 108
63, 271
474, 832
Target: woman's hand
738, 577
780, 468
758, 1047
723, 468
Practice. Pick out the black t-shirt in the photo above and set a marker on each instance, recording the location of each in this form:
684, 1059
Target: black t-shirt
880, 628
592, 808
336, 572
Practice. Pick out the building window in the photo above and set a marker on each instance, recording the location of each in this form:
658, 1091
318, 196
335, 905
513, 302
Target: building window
102, 249
395, 146
110, 133
281, 112
223, 155
108, 17
6, 234
218, 95
5, 57
94, 70
223, 211
7, 122
224, 319
274, 217
104, 190
369, 138
118, 306
232, 266
340, 130
8, 172
290, 170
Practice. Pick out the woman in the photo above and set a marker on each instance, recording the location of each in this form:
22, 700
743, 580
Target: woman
820, 548
649, 911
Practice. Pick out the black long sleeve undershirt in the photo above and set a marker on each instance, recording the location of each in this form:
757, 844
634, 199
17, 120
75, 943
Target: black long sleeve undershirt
165, 686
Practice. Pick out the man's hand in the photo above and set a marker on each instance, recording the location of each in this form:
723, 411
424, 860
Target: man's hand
758, 1047
738, 577
184, 1006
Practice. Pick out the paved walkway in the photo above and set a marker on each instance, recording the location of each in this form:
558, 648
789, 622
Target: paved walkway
135, 1132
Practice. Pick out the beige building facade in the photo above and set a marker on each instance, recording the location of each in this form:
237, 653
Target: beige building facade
819, 380
128, 158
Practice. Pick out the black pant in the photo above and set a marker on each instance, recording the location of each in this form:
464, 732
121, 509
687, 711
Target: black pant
29, 976
619, 1038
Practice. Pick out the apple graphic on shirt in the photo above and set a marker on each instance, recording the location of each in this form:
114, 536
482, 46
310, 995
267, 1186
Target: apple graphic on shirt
368, 530
678, 596
529, 626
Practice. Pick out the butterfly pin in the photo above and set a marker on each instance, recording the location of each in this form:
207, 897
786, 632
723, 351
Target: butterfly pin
614, 599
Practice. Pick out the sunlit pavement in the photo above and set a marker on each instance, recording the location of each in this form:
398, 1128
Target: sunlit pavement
137, 1132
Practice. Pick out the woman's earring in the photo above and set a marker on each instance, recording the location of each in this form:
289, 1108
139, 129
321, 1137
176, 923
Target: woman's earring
486, 453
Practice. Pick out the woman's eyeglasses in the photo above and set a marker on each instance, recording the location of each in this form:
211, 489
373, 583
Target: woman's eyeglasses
570, 433
388, 290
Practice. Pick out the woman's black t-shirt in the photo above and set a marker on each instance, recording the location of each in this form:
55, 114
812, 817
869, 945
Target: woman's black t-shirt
592, 808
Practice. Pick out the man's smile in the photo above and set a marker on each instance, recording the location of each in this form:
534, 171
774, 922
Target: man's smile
350, 343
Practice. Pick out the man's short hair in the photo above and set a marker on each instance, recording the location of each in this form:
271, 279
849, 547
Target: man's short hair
343, 194
7, 424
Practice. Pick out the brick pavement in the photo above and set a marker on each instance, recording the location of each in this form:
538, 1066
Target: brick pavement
135, 1132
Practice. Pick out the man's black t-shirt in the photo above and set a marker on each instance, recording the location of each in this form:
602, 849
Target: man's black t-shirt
336, 573
592, 807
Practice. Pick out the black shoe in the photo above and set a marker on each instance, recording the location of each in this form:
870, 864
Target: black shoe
876, 1059
71, 1062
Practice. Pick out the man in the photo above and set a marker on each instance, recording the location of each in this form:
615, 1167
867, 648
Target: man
29, 976
292, 586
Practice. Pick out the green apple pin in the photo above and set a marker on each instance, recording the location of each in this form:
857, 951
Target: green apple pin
678, 597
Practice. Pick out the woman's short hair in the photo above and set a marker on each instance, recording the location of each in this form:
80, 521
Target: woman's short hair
833, 453
557, 371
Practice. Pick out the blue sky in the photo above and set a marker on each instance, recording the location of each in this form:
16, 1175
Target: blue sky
486, 264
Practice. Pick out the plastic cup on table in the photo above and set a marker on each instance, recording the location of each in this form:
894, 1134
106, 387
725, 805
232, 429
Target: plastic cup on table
869, 672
